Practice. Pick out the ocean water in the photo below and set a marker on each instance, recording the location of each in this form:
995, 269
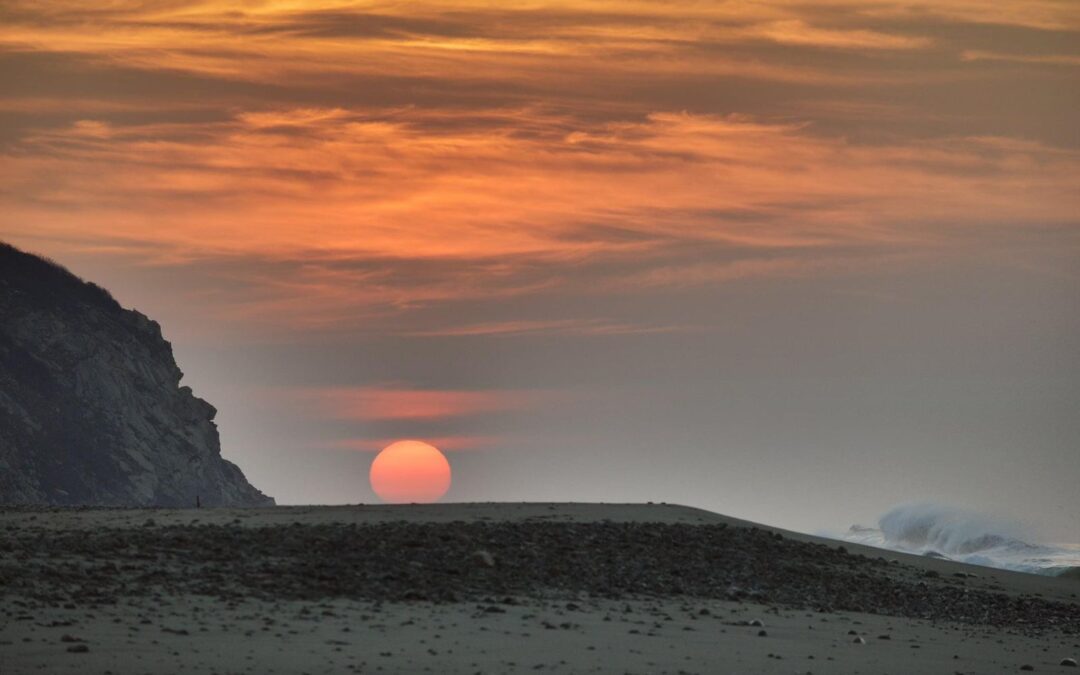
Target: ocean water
965, 536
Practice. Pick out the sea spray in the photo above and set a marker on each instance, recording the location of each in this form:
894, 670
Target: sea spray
966, 536
947, 530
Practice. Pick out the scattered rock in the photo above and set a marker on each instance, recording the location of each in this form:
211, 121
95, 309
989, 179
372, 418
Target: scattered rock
1070, 663
488, 563
78, 649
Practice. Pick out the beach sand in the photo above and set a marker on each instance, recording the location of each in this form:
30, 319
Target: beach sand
499, 588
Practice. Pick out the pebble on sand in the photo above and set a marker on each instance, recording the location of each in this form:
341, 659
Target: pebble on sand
1071, 663
78, 649
859, 641
483, 558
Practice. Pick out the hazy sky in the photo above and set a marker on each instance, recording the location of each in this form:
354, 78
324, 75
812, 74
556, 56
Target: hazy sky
792, 261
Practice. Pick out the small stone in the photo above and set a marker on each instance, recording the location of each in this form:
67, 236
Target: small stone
78, 649
757, 623
1071, 663
484, 558
763, 633
858, 640
1027, 666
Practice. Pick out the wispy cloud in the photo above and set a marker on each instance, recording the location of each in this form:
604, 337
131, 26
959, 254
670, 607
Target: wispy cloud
444, 443
796, 32
1039, 14
583, 327
1048, 59
396, 403
344, 166
411, 208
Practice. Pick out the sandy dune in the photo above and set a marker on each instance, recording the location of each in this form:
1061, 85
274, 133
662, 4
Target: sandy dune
499, 588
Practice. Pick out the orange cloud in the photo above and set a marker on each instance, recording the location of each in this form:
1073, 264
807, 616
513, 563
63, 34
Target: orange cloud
1040, 14
269, 42
444, 443
1050, 59
398, 186
796, 32
546, 327
412, 185
397, 403
339, 166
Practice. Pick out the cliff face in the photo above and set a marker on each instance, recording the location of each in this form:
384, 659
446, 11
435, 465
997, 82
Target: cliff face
91, 407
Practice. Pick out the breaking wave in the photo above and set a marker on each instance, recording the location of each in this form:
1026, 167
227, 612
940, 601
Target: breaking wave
966, 536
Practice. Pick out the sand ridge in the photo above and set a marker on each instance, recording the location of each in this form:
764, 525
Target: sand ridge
505, 587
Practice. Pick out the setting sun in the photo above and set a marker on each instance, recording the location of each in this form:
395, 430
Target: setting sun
410, 471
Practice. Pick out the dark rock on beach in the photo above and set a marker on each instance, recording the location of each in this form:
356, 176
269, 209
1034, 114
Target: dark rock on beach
91, 406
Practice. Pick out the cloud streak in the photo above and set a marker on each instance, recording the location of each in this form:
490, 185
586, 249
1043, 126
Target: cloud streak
395, 403
458, 192
348, 167
444, 443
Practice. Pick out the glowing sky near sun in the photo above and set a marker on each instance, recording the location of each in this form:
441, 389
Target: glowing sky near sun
454, 215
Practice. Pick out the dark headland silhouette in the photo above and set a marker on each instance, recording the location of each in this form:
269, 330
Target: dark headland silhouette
91, 407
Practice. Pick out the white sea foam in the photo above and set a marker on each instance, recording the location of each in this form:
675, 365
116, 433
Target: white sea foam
965, 536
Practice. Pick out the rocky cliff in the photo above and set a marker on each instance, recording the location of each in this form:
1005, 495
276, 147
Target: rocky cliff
91, 407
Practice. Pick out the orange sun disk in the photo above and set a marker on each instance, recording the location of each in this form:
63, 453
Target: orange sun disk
410, 471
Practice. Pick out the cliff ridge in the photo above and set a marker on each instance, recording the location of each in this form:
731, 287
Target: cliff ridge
91, 406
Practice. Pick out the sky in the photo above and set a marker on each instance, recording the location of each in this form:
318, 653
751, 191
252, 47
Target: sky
795, 261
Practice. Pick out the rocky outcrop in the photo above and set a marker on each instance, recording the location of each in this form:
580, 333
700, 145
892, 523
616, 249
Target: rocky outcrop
91, 407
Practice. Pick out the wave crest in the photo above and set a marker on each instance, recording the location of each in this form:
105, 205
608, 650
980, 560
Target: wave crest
969, 537
952, 531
